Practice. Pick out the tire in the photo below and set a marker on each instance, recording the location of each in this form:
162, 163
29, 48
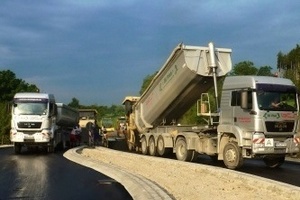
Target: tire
274, 162
194, 156
161, 149
60, 146
51, 146
108, 144
17, 148
105, 143
144, 147
182, 153
152, 147
232, 155
130, 146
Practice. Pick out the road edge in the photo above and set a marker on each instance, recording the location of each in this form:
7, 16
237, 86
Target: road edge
138, 186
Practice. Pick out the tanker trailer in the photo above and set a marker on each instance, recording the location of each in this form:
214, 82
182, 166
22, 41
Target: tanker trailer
67, 118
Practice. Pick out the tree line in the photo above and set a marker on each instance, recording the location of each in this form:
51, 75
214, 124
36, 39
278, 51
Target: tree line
289, 65
9, 85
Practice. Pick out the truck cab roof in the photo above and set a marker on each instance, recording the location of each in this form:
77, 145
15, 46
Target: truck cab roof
235, 82
33, 95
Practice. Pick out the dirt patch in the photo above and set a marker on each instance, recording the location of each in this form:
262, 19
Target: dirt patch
192, 181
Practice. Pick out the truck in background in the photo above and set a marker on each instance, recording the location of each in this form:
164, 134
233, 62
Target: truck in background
243, 126
87, 118
107, 124
38, 121
112, 137
121, 125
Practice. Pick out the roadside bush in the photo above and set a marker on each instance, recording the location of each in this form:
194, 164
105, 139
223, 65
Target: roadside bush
5, 117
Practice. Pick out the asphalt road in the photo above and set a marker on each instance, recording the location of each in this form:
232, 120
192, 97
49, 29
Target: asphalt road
37, 175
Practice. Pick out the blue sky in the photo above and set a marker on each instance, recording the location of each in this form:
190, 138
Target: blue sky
99, 51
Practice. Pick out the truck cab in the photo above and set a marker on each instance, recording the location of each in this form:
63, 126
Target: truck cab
260, 126
38, 121
32, 118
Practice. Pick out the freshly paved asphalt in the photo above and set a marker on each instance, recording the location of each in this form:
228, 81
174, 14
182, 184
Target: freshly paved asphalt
139, 187
41, 176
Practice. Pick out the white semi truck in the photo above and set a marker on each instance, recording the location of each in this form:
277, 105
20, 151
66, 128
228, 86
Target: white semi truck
243, 125
38, 121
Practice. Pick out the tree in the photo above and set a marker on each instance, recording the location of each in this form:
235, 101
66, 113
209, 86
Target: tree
289, 64
244, 68
74, 103
146, 82
9, 85
264, 71
4, 122
248, 68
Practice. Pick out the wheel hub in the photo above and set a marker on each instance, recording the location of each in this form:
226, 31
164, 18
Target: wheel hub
230, 155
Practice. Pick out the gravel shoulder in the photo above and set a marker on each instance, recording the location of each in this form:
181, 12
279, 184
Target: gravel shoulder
191, 181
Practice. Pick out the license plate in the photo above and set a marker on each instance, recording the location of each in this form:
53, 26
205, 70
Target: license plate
269, 142
38, 137
280, 144
20, 137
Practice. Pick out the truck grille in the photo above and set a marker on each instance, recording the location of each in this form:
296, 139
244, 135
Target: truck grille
280, 126
29, 124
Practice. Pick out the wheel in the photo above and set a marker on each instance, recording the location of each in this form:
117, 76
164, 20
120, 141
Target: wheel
60, 146
131, 140
144, 146
232, 155
130, 146
108, 144
17, 148
105, 143
182, 153
274, 162
152, 147
51, 146
161, 150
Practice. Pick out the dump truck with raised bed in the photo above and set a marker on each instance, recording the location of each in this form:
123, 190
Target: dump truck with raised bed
243, 125
38, 121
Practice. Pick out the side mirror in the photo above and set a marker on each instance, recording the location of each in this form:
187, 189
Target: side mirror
245, 100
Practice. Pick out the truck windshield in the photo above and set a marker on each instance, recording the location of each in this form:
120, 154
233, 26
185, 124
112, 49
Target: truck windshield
29, 108
276, 97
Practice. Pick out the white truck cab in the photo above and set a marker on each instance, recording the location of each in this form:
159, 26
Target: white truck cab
260, 127
37, 120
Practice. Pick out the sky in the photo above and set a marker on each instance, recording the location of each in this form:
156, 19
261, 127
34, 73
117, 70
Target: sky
99, 51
